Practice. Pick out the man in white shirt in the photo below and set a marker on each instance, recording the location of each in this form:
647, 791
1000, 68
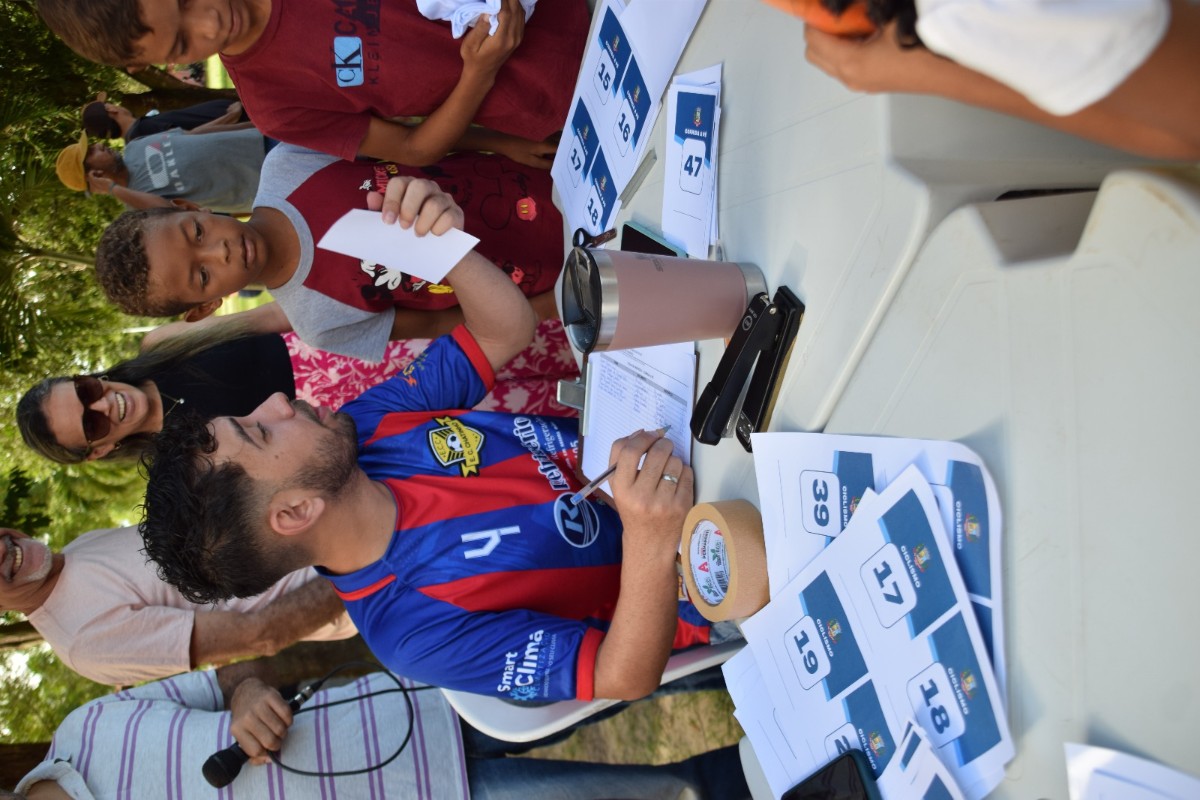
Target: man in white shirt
104, 611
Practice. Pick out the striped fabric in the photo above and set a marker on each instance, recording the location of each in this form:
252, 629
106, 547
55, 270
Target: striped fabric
150, 742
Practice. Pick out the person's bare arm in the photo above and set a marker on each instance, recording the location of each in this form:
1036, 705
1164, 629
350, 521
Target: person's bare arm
231, 116
633, 655
218, 636
523, 151
428, 142
213, 127
267, 318
1121, 120
412, 324
99, 183
492, 307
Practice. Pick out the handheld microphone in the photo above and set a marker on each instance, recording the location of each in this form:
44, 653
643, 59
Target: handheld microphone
224, 765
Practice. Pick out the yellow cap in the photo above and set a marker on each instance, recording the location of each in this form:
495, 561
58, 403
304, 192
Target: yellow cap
70, 165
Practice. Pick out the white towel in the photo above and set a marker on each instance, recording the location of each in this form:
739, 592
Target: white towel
462, 14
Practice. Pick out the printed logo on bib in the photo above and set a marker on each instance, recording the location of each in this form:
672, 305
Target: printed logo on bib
456, 444
579, 524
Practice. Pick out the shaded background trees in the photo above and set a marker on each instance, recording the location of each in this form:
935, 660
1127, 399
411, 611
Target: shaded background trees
54, 320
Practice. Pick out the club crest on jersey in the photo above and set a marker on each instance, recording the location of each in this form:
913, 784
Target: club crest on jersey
456, 444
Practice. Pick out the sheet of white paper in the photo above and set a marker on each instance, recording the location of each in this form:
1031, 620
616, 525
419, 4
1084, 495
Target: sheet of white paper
615, 104
690, 167
660, 30
876, 630
757, 716
1098, 773
389, 251
809, 485
640, 389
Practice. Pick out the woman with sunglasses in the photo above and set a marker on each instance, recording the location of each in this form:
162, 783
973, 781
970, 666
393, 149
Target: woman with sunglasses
113, 414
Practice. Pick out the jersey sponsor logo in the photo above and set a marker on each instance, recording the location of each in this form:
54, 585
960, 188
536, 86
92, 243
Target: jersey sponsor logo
523, 667
579, 524
490, 539
348, 61
526, 433
456, 444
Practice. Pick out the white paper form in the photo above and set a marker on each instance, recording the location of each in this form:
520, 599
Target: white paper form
644, 388
690, 177
877, 630
616, 103
1098, 773
755, 713
389, 251
809, 485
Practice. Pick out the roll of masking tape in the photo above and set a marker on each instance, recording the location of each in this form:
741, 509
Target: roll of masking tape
725, 560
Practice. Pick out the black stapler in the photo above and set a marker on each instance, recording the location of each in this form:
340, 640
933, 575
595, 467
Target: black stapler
743, 390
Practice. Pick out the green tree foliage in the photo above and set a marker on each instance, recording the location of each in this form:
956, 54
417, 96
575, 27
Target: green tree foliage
39, 691
54, 320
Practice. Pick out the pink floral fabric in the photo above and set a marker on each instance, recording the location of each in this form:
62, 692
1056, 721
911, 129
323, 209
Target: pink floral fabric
526, 385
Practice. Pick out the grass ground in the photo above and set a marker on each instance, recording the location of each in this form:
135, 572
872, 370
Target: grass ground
657, 731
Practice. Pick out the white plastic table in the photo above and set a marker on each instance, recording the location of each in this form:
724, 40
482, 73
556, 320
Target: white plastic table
832, 194
1070, 365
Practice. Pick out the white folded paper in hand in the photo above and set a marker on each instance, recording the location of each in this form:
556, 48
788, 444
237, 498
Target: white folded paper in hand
362, 234
462, 14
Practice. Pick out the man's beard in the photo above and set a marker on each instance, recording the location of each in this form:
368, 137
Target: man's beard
334, 460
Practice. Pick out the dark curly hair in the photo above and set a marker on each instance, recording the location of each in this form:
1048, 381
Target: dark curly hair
881, 12
204, 524
103, 31
123, 269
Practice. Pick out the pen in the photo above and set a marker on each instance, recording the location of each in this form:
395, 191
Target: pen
582, 494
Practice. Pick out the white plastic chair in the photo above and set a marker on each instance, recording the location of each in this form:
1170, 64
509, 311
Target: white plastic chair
516, 723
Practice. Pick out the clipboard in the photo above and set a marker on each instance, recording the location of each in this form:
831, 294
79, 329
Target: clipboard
630, 390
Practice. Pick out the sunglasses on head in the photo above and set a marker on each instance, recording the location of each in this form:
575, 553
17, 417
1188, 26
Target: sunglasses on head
96, 424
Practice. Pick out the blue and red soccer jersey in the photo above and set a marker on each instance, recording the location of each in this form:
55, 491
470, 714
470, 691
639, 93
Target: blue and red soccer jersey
493, 582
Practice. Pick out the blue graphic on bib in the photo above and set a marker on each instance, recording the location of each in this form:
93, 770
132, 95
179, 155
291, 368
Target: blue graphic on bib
951, 645
694, 119
836, 637
971, 535
906, 526
866, 714
637, 98
856, 472
937, 790
614, 55
602, 197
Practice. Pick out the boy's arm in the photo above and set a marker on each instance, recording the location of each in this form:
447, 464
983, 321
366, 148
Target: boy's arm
431, 140
523, 151
879, 65
633, 654
99, 183
214, 127
412, 324
230, 117
267, 318
493, 309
